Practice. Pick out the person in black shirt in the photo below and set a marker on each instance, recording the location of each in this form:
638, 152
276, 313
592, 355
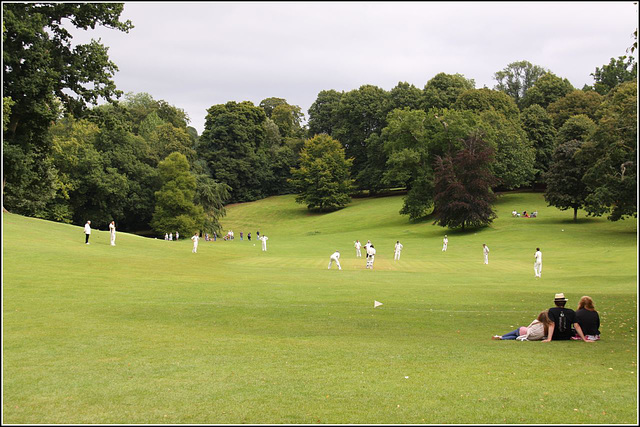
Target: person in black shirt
561, 319
588, 319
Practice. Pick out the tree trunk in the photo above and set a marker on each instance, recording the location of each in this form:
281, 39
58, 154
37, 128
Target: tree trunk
575, 214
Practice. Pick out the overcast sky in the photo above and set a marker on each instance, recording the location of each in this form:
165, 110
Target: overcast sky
195, 55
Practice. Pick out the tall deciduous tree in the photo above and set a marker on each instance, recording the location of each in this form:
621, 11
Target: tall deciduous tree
612, 176
231, 144
574, 103
443, 90
620, 70
517, 78
175, 208
323, 113
542, 134
547, 89
322, 179
463, 195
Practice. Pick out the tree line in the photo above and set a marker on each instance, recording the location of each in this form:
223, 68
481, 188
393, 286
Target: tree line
136, 160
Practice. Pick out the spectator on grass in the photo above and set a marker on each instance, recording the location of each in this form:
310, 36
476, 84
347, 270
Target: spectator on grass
588, 319
249, 236
445, 243
561, 319
537, 330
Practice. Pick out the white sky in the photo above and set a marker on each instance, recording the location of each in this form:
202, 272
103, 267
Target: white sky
197, 54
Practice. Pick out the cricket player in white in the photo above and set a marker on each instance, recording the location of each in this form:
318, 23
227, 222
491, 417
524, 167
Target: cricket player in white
264, 242
112, 232
334, 258
445, 242
371, 252
537, 265
358, 245
485, 251
397, 249
87, 232
195, 239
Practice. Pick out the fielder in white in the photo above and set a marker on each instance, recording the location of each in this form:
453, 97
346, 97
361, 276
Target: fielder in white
371, 253
264, 242
397, 249
112, 232
537, 265
195, 239
334, 258
485, 251
358, 245
445, 242
87, 232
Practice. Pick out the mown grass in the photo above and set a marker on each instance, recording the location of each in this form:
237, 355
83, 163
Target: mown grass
147, 332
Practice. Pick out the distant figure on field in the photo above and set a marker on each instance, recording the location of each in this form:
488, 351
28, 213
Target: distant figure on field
588, 319
371, 253
334, 258
534, 214
87, 232
515, 213
241, 235
445, 242
195, 239
358, 245
170, 236
485, 251
112, 232
166, 236
264, 242
536, 330
397, 249
215, 236
258, 235
177, 235
537, 264
561, 319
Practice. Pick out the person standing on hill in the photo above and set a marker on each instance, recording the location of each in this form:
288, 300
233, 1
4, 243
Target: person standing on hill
264, 242
485, 251
177, 236
195, 239
397, 249
445, 242
334, 258
112, 232
87, 232
170, 237
561, 319
358, 245
537, 264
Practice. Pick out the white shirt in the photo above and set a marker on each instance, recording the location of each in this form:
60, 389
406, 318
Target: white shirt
486, 250
538, 256
357, 245
398, 247
445, 240
371, 251
335, 255
112, 228
87, 229
195, 239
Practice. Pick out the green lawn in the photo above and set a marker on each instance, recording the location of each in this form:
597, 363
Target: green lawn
148, 332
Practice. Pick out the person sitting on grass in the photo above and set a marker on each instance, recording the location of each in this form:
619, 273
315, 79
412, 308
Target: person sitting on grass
536, 330
561, 319
588, 319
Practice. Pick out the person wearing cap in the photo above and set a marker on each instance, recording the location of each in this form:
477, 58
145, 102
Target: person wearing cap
445, 242
334, 258
561, 319
485, 251
87, 232
537, 264
397, 249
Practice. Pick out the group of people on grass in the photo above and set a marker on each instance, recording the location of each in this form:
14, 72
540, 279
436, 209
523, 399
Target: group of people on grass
560, 323
524, 214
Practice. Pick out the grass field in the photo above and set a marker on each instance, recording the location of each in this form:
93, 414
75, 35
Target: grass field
148, 332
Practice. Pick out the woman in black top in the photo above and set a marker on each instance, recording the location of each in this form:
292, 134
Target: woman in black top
588, 319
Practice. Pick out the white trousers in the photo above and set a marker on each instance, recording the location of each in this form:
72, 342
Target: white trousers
264, 246
113, 239
358, 253
397, 255
195, 248
486, 258
370, 261
537, 268
331, 261
444, 247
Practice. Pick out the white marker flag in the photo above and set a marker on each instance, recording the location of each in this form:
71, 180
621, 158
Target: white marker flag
376, 304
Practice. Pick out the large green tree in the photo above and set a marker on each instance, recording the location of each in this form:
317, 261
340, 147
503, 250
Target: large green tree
617, 71
517, 78
175, 207
45, 75
443, 90
547, 89
612, 176
572, 104
323, 113
322, 180
542, 134
232, 145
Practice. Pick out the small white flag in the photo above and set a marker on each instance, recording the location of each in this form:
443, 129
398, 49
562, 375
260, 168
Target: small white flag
376, 304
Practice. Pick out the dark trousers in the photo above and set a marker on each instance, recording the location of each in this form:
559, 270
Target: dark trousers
86, 238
